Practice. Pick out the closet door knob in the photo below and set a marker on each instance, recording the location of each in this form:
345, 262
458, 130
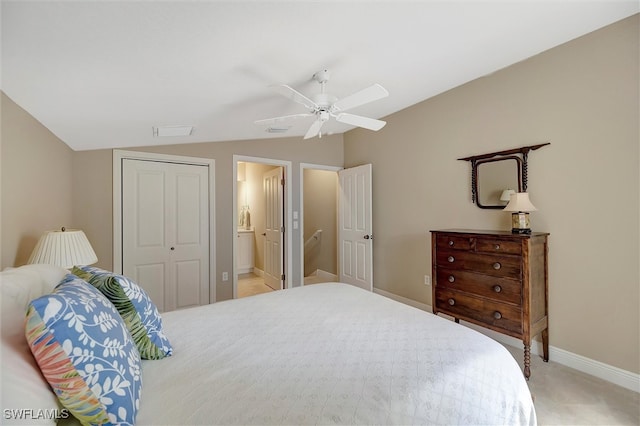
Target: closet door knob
173, 248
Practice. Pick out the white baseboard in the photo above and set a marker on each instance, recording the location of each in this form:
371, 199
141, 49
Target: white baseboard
607, 372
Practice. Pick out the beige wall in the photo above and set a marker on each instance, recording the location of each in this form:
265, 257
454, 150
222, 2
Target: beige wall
583, 98
36, 183
320, 212
92, 183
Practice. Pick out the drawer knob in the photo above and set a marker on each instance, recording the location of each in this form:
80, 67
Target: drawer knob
497, 315
450, 243
497, 288
451, 302
497, 246
451, 278
497, 265
451, 259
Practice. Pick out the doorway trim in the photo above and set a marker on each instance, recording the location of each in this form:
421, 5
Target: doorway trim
288, 226
304, 166
120, 155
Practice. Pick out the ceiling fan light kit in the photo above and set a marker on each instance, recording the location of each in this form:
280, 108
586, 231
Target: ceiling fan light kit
324, 106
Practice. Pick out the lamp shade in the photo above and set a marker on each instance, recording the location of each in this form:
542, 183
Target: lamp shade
506, 194
520, 203
66, 248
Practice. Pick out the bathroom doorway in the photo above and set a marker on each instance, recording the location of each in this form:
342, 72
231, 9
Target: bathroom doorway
261, 246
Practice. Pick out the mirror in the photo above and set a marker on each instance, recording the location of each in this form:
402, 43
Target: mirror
494, 176
494, 172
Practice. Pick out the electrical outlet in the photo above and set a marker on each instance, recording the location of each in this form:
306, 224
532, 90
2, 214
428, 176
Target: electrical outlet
225, 276
427, 280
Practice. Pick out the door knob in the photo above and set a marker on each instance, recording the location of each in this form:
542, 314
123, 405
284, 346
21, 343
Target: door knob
173, 248
368, 237
264, 234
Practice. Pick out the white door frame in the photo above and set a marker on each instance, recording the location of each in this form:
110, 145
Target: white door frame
304, 166
120, 155
288, 202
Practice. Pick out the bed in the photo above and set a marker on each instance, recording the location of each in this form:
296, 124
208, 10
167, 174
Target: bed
325, 353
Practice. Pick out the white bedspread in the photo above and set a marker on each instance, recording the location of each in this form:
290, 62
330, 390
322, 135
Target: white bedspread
329, 354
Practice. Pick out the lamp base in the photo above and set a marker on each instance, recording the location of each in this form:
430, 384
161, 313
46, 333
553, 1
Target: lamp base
520, 231
520, 223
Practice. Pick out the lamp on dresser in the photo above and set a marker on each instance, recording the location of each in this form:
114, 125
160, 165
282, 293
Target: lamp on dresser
66, 248
520, 205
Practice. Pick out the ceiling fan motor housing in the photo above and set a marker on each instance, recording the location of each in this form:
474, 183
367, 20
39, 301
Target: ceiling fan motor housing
324, 101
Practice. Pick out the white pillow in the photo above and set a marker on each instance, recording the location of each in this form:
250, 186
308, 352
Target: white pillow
23, 386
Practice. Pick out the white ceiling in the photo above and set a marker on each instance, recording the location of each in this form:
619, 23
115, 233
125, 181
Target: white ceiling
101, 74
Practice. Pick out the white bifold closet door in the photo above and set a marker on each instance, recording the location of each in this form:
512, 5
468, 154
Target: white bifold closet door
165, 231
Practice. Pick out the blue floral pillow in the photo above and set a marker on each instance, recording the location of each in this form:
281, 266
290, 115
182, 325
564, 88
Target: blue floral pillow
140, 314
85, 352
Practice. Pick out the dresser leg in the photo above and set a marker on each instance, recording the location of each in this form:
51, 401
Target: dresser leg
545, 345
527, 361
457, 320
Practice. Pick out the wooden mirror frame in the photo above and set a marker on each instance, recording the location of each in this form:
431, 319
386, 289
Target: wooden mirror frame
521, 157
475, 190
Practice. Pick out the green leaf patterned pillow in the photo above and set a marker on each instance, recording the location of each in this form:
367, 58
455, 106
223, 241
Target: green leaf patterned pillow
139, 313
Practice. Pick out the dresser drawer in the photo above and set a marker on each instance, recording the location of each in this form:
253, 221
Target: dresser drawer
499, 266
495, 314
453, 242
495, 288
494, 245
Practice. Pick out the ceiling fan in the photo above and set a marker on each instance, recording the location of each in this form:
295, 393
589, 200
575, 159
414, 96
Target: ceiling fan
324, 106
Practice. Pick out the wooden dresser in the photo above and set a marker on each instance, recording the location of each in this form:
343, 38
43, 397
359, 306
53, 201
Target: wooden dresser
494, 279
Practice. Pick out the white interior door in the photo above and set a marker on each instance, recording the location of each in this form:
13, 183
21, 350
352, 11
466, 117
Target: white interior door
165, 231
272, 182
355, 234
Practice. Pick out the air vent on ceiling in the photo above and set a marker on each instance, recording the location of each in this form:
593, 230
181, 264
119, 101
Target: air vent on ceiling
167, 131
272, 129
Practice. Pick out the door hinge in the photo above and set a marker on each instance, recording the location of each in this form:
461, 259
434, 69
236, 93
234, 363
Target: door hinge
282, 181
282, 229
282, 277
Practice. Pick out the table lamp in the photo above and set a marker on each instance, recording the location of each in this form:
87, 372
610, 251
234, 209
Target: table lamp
520, 205
66, 248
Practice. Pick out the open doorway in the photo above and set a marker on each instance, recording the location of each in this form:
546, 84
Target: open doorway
261, 246
318, 201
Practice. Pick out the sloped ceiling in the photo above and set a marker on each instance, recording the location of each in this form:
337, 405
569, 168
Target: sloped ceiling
102, 74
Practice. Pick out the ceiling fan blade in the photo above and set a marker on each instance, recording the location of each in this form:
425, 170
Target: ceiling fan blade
294, 95
370, 94
314, 129
276, 120
360, 121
